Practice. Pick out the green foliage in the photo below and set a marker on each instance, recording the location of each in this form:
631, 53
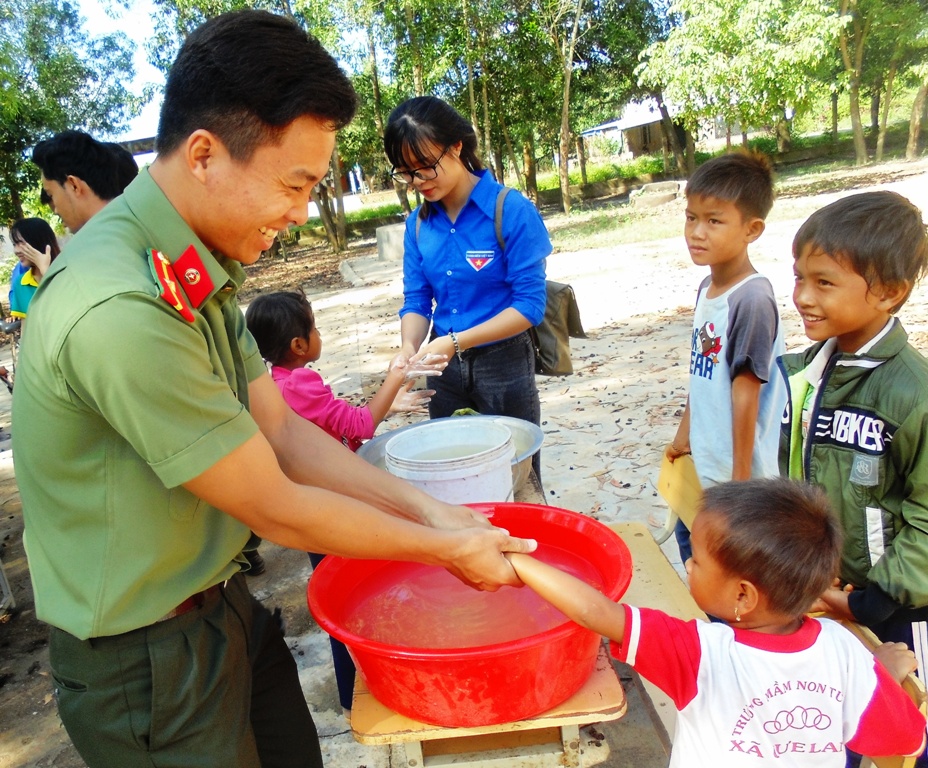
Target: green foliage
364, 214
53, 76
6, 269
595, 172
746, 61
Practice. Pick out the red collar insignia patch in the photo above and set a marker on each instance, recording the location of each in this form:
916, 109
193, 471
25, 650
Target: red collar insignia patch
171, 292
194, 277
479, 259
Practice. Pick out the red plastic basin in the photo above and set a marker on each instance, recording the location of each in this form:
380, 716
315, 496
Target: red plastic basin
437, 651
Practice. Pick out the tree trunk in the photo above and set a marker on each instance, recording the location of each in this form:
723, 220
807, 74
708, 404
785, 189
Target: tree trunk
16, 200
485, 97
567, 59
529, 170
860, 144
670, 133
744, 139
581, 158
469, 59
341, 225
320, 196
508, 140
834, 116
876, 98
915, 122
853, 65
498, 165
402, 194
784, 139
690, 154
727, 137
375, 78
884, 118
418, 78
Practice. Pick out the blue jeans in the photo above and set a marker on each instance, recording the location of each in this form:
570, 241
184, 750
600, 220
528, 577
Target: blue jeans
495, 380
341, 659
682, 535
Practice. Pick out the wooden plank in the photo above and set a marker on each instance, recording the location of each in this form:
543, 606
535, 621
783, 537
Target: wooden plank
655, 584
600, 699
492, 741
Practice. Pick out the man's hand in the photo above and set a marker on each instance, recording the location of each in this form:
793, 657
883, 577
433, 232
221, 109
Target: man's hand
479, 560
454, 517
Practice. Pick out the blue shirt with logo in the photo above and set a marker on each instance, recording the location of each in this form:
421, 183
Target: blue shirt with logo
457, 275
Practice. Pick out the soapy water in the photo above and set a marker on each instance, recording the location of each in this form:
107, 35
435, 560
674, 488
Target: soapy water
420, 606
444, 453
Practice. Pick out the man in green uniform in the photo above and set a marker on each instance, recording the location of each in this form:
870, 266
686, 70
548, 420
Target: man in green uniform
157, 440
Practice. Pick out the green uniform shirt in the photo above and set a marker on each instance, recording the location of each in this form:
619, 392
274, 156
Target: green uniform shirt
119, 400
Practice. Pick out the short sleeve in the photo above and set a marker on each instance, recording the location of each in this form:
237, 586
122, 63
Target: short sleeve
149, 374
662, 649
890, 725
752, 329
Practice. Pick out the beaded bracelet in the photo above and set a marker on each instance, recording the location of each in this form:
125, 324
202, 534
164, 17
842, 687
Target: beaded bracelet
454, 340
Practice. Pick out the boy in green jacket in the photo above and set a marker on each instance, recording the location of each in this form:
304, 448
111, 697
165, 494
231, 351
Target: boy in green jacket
856, 422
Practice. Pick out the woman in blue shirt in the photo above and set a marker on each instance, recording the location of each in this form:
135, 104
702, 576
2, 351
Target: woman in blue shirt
479, 296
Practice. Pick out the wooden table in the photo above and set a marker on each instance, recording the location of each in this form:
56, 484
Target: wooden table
549, 740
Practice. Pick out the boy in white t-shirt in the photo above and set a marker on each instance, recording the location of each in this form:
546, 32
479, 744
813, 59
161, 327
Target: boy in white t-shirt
772, 686
732, 416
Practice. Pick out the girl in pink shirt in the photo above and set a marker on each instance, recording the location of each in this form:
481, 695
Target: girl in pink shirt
285, 329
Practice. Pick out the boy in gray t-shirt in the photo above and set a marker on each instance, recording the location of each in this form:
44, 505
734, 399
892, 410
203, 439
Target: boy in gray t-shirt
735, 401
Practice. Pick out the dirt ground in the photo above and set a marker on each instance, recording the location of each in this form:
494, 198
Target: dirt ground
30, 734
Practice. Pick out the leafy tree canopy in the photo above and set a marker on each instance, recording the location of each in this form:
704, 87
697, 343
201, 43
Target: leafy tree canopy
54, 76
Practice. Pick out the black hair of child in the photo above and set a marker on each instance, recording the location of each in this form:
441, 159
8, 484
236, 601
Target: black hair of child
275, 319
880, 235
742, 177
779, 534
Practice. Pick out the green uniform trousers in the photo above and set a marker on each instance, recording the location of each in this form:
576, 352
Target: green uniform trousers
216, 687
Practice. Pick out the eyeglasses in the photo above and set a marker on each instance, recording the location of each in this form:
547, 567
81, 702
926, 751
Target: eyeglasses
425, 173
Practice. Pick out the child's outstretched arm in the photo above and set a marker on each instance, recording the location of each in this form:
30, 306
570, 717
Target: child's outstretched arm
576, 599
380, 403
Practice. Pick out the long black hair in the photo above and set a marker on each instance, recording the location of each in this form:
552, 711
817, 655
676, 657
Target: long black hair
37, 233
419, 125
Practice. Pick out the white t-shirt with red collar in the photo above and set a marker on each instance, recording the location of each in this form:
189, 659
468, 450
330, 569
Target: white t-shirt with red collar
752, 699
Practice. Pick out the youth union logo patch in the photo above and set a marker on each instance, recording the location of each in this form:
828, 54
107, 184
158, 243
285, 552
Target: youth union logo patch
479, 259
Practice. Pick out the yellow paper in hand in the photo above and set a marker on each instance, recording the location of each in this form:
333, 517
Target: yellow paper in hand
678, 484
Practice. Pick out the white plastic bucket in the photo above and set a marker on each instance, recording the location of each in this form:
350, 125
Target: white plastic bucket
458, 461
